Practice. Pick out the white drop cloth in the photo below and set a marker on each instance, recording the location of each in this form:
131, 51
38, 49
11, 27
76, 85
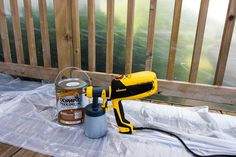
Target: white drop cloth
27, 119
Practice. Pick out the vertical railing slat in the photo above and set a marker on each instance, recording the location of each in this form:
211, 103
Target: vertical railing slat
198, 40
174, 39
4, 34
151, 34
62, 11
44, 32
91, 36
225, 43
30, 32
110, 36
129, 36
17, 31
76, 33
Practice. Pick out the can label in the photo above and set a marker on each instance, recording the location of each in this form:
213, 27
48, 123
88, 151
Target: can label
70, 109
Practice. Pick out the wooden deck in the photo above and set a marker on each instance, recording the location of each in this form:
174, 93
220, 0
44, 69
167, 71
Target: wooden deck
12, 151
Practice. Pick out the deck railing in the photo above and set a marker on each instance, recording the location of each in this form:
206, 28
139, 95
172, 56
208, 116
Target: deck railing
69, 51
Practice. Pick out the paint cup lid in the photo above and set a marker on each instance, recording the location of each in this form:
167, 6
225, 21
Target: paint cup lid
72, 83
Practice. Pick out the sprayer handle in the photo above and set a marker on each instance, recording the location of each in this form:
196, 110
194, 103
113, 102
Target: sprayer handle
124, 125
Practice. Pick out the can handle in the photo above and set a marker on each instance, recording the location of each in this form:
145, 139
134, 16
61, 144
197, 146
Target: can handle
59, 75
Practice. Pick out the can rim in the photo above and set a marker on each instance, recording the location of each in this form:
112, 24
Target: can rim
64, 83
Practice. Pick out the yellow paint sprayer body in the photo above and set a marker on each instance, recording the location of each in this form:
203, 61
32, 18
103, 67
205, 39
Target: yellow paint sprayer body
125, 87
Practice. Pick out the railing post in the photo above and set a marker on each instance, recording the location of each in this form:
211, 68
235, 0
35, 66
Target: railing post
198, 40
91, 36
76, 33
44, 33
225, 42
63, 32
30, 32
17, 31
110, 36
4, 34
174, 39
151, 34
129, 36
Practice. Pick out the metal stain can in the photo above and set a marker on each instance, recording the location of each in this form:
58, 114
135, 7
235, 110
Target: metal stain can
69, 95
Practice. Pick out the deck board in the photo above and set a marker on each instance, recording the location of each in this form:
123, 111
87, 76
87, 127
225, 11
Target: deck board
28, 153
9, 150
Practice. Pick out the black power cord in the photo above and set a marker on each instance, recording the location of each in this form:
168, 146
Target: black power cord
186, 147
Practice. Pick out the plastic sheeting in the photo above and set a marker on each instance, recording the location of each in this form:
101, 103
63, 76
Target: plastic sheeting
28, 119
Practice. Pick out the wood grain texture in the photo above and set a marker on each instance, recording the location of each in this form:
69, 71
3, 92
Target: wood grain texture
110, 36
30, 32
209, 93
17, 31
91, 36
44, 32
7, 150
198, 91
174, 39
198, 40
76, 33
62, 11
129, 36
28, 153
4, 34
28, 71
225, 43
151, 34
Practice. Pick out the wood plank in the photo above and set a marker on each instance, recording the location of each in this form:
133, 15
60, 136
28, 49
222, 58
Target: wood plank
4, 34
44, 32
176, 101
129, 36
28, 71
110, 36
174, 39
209, 93
168, 88
30, 32
229, 113
225, 43
17, 31
91, 36
197, 91
7, 150
151, 34
62, 11
76, 33
29, 153
198, 40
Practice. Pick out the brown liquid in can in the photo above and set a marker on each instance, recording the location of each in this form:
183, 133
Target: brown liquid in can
69, 106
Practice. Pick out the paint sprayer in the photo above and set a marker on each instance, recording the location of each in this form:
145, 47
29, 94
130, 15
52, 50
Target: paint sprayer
124, 87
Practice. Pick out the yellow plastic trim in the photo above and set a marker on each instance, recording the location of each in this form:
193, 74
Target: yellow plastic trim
122, 129
104, 98
89, 91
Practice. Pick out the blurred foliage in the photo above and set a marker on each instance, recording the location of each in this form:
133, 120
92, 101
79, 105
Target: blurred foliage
161, 41
38, 41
